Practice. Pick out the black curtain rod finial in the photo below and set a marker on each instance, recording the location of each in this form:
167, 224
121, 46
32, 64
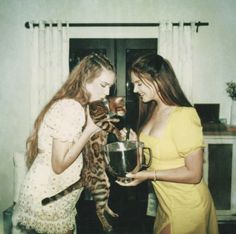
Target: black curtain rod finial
27, 25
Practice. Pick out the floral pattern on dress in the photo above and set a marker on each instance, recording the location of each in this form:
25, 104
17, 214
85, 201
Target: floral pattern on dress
64, 121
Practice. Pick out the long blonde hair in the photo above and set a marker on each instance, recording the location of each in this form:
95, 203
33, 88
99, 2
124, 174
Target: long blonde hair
89, 68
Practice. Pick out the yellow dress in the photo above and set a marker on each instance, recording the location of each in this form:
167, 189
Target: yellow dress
188, 208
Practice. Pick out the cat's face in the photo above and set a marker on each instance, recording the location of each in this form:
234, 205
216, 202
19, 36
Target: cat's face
117, 105
112, 106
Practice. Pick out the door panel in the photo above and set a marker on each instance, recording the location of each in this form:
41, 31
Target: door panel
121, 53
82, 47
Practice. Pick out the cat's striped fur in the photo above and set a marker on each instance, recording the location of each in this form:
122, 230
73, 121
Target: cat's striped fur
93, 174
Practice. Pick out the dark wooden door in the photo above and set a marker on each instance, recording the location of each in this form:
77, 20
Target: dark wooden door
121, 52
131, 202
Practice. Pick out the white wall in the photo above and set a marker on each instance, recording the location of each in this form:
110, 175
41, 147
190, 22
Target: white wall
214, 55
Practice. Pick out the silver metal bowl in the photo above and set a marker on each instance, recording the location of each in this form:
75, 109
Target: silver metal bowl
126, 156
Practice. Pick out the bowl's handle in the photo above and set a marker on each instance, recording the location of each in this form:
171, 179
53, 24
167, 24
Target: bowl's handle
144, 165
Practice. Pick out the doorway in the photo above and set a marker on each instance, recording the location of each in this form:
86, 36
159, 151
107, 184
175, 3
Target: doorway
121, 53
126, 201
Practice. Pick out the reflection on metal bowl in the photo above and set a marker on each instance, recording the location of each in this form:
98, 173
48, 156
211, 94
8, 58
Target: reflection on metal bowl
125, 156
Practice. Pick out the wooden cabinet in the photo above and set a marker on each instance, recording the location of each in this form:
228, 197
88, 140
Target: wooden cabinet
220, 172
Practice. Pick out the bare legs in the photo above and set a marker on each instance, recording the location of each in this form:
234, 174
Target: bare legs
166, 230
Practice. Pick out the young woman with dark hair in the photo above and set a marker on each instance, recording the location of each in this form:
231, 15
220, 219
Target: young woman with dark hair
171, 128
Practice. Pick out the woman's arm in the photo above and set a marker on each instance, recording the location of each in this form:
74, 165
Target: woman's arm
65, 153
191, 173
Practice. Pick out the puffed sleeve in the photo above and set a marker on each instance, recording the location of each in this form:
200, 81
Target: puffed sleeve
66, 119
187, 131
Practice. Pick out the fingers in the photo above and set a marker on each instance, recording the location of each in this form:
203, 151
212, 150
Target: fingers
130, 179
130, 175
128, 134
123, 134
126, 182
132, 135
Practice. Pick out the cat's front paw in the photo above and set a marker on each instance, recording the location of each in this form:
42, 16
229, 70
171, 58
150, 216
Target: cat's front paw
107, 228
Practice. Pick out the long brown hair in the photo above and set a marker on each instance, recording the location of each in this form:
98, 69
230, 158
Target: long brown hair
158, 70
89, 68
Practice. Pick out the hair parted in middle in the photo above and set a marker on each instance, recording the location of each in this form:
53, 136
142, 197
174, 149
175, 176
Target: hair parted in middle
157, 70
88, 69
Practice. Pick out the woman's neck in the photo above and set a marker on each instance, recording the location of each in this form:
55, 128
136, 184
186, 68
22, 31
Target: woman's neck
162, 107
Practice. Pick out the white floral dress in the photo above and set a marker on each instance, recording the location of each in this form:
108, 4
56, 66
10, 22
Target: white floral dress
63, 121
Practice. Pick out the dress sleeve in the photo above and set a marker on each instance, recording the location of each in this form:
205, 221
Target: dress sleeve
66, 119
187, 131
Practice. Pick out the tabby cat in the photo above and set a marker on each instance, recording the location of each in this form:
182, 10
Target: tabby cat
93, 174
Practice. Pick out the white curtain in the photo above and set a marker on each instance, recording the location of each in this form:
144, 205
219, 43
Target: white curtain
49, 68
175, 44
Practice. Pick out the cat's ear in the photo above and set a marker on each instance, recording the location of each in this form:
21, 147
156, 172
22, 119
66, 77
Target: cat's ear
120, 100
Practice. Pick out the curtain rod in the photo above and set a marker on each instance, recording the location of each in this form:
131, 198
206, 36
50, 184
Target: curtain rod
197, 24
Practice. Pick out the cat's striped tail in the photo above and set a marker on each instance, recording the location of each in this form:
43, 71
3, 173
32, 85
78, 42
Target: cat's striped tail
71, 188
